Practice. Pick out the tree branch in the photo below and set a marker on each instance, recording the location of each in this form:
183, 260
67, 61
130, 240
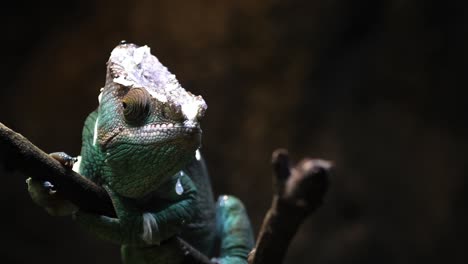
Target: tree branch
298, 192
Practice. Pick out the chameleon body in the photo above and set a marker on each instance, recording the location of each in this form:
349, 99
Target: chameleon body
141, 145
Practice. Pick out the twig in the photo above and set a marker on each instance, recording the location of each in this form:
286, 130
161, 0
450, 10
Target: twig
299, 191
21, 155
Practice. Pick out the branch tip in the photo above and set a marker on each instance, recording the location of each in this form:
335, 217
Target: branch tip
281, 165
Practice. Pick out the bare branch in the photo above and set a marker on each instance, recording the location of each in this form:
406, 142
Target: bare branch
299, 191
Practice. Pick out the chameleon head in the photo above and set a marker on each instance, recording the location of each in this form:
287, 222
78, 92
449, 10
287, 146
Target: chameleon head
148, 125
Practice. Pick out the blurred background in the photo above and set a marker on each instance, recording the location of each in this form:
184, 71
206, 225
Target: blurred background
379, 87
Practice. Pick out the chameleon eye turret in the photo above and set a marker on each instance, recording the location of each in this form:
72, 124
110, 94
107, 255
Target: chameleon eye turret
136, 106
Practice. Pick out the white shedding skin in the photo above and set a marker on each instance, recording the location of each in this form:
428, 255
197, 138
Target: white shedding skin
135, 67
76, 165
223, 199
99, 97
172, 83
197, 154
123, 81
140, 53
95, 132
190, 110
149, 226
179, 188
161, 98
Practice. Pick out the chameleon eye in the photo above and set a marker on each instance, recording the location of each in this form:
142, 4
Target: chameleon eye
136, 105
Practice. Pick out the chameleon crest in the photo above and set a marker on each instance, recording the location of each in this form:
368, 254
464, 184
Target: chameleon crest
133, 66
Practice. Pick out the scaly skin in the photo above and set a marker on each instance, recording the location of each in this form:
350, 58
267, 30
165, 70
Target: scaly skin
141, 144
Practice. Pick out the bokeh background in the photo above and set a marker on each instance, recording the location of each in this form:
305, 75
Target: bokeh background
379, 87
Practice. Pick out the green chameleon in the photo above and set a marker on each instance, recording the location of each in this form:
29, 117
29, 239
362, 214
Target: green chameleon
141, 145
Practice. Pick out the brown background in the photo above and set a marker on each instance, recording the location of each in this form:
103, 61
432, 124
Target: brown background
379, 87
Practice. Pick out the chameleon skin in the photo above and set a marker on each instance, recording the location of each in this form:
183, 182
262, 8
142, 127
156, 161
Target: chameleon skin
141, 144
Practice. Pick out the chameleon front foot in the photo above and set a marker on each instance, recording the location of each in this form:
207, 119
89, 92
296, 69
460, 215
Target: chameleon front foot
44, 193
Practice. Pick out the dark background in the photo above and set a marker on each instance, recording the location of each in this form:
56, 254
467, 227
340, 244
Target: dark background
379, 87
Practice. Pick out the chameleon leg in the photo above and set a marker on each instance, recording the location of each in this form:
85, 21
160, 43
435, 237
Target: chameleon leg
143, 228
234, 230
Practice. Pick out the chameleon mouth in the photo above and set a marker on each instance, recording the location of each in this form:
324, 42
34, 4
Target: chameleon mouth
155, 133
169, 126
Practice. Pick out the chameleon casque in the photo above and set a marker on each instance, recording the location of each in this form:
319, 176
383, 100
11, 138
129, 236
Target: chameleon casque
142, 145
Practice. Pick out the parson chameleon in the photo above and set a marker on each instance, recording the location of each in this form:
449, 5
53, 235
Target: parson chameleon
142, 145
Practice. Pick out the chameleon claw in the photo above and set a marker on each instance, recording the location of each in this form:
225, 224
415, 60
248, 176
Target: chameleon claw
49, 187
65, 159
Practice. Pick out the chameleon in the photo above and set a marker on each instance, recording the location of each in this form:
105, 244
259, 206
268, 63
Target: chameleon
142, 144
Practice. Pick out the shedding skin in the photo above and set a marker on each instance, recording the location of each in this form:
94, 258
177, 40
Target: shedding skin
150, 226
95, 132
